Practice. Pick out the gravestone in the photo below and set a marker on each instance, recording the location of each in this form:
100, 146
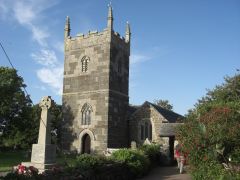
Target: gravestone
43, 153
133, 145
147, 142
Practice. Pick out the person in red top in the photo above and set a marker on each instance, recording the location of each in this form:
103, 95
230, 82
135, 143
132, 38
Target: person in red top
180, 157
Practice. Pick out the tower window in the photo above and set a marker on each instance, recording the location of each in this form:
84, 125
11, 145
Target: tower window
86, 114
85, 61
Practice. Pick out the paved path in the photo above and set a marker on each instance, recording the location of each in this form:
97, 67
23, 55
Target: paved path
166, 173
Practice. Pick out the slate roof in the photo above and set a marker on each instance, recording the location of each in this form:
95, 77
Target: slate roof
168, 129
171, 116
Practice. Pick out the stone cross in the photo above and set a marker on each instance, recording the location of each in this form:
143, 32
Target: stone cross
43, 153
44, 136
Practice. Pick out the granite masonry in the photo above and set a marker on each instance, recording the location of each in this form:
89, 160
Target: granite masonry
43, 153
96, 110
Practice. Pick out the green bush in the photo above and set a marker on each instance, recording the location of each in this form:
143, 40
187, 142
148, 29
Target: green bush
136, 160
124, 164
83, 167
235, 156
152, 151
210, 134
87, 161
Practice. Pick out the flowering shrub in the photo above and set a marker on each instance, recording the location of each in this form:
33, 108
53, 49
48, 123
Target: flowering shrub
22, 172
21, 169
28, 171
211, 135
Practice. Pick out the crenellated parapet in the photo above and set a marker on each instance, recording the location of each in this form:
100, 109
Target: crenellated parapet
107, 33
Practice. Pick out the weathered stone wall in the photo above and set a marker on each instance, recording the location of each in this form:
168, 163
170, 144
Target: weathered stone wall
86, 87
142, 115
146, 113
118, 96
103, 86
157, 120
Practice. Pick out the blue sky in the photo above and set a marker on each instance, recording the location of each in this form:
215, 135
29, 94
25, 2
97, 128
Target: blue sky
178, 49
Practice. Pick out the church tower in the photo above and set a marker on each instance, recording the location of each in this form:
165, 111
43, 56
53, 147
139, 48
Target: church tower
95, 89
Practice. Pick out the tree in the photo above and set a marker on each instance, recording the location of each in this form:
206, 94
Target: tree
164, 104
15, 108
56, 112
19, 118
56, 120
211, 133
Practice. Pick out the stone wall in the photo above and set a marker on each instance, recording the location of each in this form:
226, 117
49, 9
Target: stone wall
142, 115
118, 95
86, 87
146, 114
104, 86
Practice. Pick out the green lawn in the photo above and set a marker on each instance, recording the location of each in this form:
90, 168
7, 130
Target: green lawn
10, 159
13, 158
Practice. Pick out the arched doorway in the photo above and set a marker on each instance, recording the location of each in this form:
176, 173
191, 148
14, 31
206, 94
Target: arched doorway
86, 144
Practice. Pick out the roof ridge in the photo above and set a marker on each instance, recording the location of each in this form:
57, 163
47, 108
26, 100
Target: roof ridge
155, 105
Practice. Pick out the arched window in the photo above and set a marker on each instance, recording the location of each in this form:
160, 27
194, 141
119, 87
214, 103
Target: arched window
86, 114
85, 60
146, 131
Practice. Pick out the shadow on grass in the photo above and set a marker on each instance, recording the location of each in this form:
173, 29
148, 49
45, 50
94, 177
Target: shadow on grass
12, 158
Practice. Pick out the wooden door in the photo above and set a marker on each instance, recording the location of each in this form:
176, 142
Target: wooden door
86, 144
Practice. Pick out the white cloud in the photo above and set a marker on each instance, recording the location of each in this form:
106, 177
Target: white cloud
24, 12
138, 58
52, 73
52, 77
45, 57
29, 14
59, 46
152, 53
27, 11
136, 61
39, 35
42, 88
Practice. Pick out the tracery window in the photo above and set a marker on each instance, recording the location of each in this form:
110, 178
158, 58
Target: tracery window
85, 61
86, 114
146, 131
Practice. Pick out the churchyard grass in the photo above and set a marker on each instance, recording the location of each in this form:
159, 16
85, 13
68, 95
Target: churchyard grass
12, 158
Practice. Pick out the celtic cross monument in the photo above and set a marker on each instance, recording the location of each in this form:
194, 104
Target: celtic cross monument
43, 153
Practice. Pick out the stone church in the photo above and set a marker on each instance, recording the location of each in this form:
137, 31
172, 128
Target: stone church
96, 110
